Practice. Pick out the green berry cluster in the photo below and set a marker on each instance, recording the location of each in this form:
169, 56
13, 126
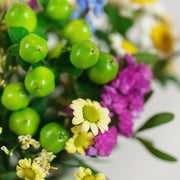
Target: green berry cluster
26, 30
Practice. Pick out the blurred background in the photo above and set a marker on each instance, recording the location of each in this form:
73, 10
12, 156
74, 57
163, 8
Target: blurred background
129, 160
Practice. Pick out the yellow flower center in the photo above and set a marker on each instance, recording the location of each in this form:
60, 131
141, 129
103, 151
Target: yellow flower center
29, 173
90, 114
91, 177
80, 140
162, 38
128, 47
143, 1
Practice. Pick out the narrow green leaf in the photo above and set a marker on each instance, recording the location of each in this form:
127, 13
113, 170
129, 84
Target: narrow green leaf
14, 50
157, 120
150, 147
24, 64
16, 34
146, 58
148, 96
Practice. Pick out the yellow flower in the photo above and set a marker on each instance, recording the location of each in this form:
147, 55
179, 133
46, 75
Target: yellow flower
30, 171
1, 130
86, 174
128, 47
143, 1
90, 115
162, 38
79, 142
120, 45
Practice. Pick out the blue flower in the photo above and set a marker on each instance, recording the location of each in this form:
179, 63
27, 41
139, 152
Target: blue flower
83, 4
89, 21
98, 10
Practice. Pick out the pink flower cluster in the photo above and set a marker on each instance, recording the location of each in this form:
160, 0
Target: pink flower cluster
124, 96
104, 143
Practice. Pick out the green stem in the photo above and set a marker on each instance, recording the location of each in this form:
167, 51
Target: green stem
14, 148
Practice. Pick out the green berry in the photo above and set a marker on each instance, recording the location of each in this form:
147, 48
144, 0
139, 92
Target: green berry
20, 14
105, 70
15, 96
24, 122
53, 137
76, 31
40, 82
33, 48
84, 54
59, 10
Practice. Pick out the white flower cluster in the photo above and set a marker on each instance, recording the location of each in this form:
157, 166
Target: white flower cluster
26, 141
44, 160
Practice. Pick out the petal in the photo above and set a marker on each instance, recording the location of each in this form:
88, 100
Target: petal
76, 176
85, 127
89, 102
100, 176
25, 163
88, 171
77, 121
94, 129
80, 150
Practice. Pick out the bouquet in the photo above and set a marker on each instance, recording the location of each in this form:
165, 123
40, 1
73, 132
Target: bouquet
74, 75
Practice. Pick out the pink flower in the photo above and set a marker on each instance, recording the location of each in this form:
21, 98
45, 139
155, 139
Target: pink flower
124, 96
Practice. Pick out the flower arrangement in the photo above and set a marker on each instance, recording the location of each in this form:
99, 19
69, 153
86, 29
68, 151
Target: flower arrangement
74, 75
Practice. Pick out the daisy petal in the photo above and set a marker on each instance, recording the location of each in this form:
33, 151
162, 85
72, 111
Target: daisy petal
85, 126
94, 129
77, 121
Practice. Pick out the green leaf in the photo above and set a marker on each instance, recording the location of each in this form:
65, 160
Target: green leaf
8, 176
86, 89
119, 23
14, 50
148, 96
43, 23
150, 147
63, 61
157, 120
76, 72
102, 35
24, 64
43, 3
39, 104
16, 34
146, 58
35, 65
41, 34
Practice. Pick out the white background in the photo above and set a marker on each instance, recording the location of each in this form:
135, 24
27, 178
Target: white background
130, 161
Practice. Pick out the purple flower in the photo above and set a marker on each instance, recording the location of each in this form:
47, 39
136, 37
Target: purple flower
103, 143
124, 96
68, 111
91, 151
126, 124
106, 141
33, 3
